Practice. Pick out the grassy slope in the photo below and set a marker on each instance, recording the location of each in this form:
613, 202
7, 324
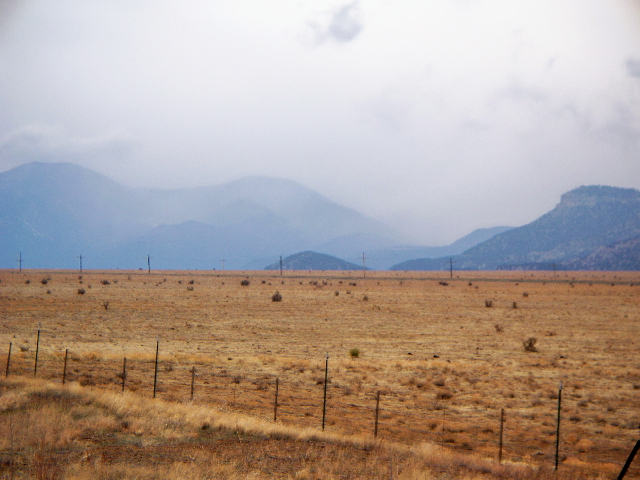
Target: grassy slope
76, 432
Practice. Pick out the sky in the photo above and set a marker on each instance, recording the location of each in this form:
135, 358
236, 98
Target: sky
434, 116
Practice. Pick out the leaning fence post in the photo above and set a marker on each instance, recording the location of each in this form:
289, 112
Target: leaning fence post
558, 424
501, 431
623, 472
64, 369
324, 402
375, 428
275, 403
35, 366
8, 360
155, 374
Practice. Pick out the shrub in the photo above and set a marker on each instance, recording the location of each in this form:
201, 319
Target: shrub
44, 281
488, 303
105, 282
81, 291
354, 352
190, 288
530, 344
444, 395
499, 328
245, 283
276, 297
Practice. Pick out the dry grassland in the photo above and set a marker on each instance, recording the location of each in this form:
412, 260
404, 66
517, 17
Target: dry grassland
444, 362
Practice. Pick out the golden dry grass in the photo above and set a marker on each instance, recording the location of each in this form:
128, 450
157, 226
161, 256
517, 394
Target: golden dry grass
444, 362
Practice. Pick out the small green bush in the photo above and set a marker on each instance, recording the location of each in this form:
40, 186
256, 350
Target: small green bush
354, 352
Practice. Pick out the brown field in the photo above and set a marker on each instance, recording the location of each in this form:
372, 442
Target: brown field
444, 362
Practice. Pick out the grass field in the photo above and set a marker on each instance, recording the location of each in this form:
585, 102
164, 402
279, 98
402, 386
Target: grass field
447, 355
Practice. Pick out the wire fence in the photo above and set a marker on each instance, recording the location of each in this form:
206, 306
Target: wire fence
410, 420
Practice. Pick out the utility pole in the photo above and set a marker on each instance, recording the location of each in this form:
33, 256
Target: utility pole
280, 265
149, 264
364, 268
20, 262
80, 257
451, 267
222, 262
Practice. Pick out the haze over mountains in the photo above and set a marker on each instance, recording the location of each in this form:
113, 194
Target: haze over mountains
54, 212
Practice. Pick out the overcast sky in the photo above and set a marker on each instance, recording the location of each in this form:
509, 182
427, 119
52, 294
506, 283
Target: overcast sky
435, 116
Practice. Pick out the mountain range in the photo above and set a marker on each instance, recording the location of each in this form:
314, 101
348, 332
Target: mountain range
53, 213
593, 227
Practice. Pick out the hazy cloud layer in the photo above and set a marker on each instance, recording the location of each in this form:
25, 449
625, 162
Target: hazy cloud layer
53, 144
437, 117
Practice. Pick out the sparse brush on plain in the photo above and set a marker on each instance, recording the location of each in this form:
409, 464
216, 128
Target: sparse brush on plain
276, 297
354, 352
530, 344
423, 343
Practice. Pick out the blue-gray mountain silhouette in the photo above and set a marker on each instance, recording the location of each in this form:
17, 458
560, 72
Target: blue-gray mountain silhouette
54, 212
585, 221
309, 260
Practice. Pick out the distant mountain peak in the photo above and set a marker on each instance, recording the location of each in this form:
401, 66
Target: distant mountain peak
594, 194
309, 260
